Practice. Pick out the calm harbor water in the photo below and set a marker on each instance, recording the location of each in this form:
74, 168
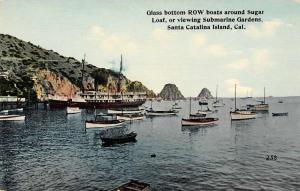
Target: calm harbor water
52, 151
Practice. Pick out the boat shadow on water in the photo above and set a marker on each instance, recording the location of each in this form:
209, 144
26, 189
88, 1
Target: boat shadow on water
242, 123
197, 128
108, 144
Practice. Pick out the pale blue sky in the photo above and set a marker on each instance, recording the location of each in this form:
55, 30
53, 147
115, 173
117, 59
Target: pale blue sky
266, 54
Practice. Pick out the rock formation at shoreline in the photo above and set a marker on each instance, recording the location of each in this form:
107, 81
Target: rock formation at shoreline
205, 93
170, 92
36, 72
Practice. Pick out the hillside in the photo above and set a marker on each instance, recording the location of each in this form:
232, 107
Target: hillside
37, 72
170, 92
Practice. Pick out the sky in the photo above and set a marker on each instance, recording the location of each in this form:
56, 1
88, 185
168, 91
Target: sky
266, 54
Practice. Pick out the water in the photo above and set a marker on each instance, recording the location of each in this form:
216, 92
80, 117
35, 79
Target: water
52, 151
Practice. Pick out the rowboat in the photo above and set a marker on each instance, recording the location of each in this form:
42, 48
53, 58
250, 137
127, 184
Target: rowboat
12, 117
161, 113
110, 111
103, 123
203, 102
198, 121
258, 107
131, 117
119, 139
73, 110
133, 185
280, 114
263, 106
12, 110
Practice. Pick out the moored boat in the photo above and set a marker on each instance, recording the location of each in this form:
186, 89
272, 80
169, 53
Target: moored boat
241, 114
120, 138
217, 103
131, 117
280, 114
103, 123
124, 111
199, 121
176, 106
73, 110
258, 107
12, 110
152, 112
203, 102
100, 100
263, 106
12, 117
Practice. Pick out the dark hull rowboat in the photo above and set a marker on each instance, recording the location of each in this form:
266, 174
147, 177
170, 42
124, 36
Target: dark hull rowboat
203, 103
120, 139
280, 114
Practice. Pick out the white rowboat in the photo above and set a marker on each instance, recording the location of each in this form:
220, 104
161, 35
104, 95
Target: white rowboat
130, 117
12, 117
110, 111
73, 110
104, 123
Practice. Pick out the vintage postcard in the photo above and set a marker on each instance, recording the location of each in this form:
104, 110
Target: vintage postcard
140, 95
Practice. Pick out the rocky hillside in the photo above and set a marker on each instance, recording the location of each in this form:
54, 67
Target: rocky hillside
37, 72
170, 92
205, 93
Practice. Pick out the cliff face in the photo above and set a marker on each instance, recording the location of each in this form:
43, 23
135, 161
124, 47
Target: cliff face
34, 70
170, 92
50, 83
205, 93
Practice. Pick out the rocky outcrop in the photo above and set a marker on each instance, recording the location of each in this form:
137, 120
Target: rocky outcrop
36, 72
137, 86
170, 92
205, 93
